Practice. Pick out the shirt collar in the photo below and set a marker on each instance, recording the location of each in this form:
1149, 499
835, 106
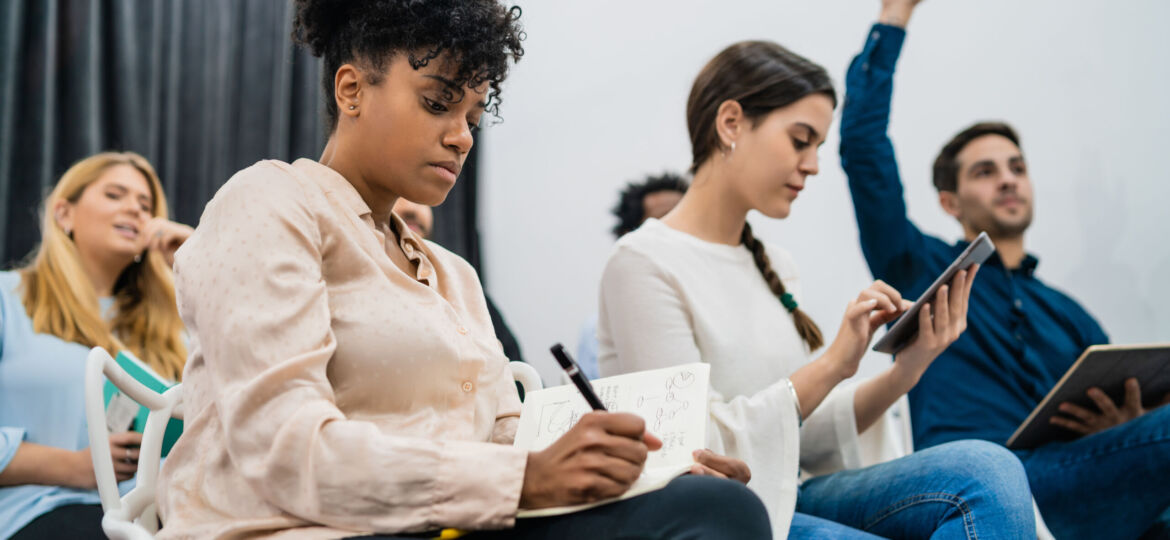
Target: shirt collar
1027, 266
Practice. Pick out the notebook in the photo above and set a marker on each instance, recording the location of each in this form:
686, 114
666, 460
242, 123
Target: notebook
1105, 367
673, 401
124, 414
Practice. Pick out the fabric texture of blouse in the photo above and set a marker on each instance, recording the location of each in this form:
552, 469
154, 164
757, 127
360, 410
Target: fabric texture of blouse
669, 298
42, 401
329, 393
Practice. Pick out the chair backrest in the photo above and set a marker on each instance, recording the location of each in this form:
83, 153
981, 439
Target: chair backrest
132, 516
527, 376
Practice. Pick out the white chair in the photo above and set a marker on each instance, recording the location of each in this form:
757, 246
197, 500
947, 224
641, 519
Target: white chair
132, 517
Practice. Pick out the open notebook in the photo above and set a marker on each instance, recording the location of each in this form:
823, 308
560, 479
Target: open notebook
673, 401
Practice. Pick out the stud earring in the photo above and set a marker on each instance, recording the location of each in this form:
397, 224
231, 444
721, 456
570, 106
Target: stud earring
352, 107
138, 258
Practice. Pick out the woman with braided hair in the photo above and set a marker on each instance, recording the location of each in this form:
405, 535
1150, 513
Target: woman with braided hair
698, 285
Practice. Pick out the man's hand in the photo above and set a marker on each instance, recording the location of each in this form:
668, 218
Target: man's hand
708, 463
1086, 422
897, 12
599, 457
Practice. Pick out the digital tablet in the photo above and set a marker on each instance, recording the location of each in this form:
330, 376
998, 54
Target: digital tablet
906, 327
1103, 366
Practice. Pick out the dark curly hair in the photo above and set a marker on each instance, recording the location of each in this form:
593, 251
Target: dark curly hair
630, 211
479, 36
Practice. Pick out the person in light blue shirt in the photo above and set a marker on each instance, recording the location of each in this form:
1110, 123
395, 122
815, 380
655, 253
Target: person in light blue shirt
103, 268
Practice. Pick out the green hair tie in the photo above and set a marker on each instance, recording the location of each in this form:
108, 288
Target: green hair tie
788, 301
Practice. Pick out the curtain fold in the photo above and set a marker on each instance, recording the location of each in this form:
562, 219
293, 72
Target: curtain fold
202, 88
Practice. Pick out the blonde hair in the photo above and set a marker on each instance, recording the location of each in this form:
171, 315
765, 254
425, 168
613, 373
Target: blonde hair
61, 300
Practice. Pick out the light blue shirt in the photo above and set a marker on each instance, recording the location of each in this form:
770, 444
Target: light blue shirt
587, 348
42, 401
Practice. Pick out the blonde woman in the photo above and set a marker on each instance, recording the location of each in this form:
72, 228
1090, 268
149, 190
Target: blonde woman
101, 277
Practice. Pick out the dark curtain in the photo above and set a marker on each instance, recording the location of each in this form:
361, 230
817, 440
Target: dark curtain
201, 88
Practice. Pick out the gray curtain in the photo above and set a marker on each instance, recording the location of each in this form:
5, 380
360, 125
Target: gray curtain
201, 88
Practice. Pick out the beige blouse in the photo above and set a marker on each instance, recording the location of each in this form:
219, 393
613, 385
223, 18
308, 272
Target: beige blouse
328, 393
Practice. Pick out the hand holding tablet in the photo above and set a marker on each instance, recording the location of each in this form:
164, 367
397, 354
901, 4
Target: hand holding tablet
905, 329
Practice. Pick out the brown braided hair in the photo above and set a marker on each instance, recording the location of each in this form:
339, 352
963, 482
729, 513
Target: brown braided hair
808, 330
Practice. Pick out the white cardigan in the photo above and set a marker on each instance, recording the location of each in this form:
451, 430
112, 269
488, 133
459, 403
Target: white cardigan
669, 298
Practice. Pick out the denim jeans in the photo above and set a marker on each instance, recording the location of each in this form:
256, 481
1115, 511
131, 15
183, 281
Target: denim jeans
963, 489
1112, 484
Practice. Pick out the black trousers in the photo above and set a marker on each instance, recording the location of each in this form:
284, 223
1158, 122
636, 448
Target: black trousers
74, 521
689, 508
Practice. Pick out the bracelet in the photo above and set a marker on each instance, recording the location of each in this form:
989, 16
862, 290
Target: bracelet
796, 403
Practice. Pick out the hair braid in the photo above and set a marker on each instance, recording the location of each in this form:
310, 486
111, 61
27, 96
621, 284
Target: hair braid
805, 326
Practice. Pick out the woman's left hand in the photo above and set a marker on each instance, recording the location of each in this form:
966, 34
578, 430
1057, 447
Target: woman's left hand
165, 236
940, 323
708, 463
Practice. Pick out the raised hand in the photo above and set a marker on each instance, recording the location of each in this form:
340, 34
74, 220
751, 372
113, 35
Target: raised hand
600, 457
897, 12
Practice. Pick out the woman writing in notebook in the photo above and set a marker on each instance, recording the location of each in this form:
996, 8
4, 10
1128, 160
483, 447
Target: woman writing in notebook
101, 277
697, 285
344, 376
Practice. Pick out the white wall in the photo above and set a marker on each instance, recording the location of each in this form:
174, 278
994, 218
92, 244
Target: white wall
599, 100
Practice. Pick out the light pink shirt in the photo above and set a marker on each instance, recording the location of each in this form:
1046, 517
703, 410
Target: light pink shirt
328, 393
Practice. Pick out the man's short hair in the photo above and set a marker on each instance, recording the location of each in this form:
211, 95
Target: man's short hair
630, 210
946, 165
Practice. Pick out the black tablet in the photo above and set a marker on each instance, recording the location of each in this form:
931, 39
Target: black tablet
906, 327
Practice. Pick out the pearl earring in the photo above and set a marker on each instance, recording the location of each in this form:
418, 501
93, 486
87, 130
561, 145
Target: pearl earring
138, 258
352, 107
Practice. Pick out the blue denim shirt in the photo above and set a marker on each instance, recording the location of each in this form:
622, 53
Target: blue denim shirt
1022, 335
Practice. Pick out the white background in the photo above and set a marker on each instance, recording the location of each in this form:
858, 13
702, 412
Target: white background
599, 99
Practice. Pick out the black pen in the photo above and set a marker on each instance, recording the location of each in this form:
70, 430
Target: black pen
577, 377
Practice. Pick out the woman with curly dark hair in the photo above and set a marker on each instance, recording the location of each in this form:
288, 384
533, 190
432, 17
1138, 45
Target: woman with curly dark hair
344, 378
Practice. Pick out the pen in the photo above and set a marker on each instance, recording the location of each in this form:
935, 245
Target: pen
577, 377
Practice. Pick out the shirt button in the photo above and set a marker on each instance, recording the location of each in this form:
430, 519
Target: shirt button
1019, 303
876, 35
467, 386
1019, 337
462, 330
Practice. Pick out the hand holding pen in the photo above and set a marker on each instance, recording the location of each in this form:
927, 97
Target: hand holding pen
600, 457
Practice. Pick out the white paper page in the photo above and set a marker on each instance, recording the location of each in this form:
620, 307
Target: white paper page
673, 401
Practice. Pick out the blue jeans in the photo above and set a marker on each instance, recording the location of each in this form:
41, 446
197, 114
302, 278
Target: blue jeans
963, 489
1112, 484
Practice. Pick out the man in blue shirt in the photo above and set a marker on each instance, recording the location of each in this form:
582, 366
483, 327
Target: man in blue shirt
1022, 334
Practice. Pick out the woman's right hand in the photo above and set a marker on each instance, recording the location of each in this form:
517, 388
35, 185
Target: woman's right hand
598, 458
123, 451
876, 305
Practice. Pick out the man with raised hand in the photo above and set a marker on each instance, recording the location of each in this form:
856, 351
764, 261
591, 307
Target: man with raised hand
1022, 334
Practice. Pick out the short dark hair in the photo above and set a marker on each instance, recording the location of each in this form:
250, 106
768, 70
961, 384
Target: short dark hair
946, 165
630, 210
479, 35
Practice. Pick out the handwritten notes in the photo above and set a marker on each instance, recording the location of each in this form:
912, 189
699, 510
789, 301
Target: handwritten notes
673, 401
